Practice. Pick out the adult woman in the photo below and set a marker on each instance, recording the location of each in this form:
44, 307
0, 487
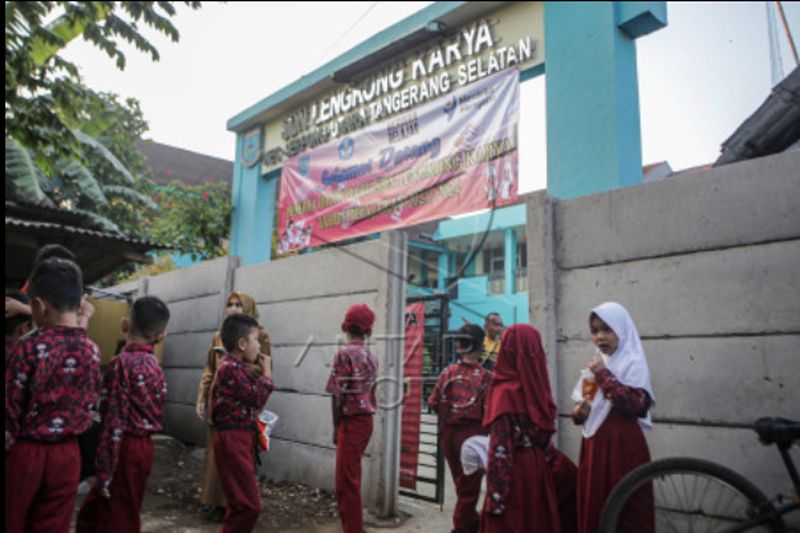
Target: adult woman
237, 303
520, 415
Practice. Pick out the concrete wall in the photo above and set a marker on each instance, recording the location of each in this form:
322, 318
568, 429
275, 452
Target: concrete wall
707, 264
301, 301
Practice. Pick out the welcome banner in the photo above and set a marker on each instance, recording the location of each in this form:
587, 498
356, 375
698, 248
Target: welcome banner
449, 156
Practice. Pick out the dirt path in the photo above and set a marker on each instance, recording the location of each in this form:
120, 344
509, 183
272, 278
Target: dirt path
171, 502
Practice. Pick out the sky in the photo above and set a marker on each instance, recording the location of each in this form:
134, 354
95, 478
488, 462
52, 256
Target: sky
699, 77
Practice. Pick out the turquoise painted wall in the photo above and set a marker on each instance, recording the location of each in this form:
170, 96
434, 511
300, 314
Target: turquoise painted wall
593, 126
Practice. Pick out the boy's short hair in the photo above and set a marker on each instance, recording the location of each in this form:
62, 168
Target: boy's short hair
148, 317
58, 282
13, 322
49, 251
234, 328
470, 337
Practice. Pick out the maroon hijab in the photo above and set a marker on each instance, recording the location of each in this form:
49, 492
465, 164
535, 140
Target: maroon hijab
520, 383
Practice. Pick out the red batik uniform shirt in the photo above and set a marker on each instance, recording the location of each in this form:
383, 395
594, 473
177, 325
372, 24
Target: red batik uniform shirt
353, 378
52, 379
237, 394
131, 403
459, 396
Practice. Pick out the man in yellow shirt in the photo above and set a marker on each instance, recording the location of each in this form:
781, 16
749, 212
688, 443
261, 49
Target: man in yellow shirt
493, 326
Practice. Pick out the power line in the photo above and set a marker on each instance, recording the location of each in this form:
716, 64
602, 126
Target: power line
347, 31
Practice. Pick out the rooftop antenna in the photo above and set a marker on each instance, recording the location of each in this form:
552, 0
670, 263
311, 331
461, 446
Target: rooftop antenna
775, 61
792, 47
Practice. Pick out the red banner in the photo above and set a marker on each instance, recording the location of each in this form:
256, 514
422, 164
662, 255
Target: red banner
449, 156
412, 403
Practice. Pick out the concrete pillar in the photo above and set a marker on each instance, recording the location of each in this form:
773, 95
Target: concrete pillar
254, 204
593, 130
391, 372
510, 259
542, 280
444, 272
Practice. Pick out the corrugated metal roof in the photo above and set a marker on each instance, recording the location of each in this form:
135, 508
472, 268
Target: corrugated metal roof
54, 226
771, 129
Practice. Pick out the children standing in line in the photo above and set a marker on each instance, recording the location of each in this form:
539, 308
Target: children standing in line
459, 398
520, 415
352, 384
237, 396
52, 379
613, 418
131, 406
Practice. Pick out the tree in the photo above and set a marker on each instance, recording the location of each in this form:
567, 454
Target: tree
57, 130
195, 219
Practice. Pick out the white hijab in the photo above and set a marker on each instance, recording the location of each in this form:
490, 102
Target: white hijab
628, 364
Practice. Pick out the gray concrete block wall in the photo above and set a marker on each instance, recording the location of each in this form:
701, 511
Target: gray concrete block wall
302, 301
195, 297
707, 265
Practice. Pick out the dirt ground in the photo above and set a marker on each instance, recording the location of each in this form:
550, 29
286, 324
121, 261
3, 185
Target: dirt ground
171, 502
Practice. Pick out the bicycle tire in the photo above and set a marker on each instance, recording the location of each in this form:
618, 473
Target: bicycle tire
658, 470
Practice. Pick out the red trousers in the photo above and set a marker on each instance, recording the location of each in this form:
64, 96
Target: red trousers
233, 454
41, 485
531, 506
351, 441
617, 448
120, 513
468, 488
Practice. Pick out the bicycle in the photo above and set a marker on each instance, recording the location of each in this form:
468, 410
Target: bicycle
696, 495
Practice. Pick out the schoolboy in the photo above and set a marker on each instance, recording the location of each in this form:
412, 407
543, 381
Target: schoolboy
132, 409
352, 386
52, 379
459, 398
237, 397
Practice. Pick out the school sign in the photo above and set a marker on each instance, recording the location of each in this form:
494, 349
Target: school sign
387, 84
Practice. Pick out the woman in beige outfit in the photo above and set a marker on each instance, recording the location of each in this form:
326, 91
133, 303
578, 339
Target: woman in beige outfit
237, 302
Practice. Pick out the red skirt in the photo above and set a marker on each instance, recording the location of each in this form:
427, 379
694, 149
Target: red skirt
531, 505
565, 476
617, 448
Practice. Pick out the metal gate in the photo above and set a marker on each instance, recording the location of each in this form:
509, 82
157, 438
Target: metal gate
436, 354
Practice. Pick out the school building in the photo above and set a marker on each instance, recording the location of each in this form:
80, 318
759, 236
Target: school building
704, 260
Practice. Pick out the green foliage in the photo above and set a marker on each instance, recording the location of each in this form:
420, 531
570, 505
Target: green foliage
21, 177
195, 219
65, 143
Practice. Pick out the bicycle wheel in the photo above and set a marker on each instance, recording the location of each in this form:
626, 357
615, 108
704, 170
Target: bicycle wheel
689, 495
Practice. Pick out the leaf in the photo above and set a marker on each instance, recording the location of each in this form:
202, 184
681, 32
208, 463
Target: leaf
65, 28
106, 153
21, 175
85, 180
130, 195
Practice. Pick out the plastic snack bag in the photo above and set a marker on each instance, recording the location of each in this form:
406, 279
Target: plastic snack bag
266, 421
